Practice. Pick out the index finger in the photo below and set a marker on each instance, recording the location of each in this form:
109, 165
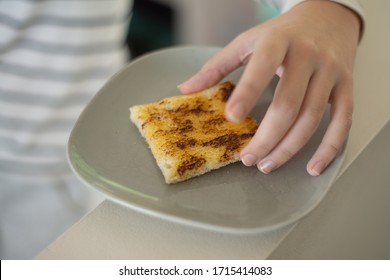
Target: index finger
216, 68
268, 55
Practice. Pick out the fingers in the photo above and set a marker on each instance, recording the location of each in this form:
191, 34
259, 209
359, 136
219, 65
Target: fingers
306, 123
337, 132
220, 65
268, 55
312, 73
283, 111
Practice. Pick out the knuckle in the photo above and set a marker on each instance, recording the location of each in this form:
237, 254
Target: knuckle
331, 148
308, 47
286, 153
249, 89
347, 75
266, 54
334, 67
270, 46
262, 149
346, 121
313, 117
287, 107
329, 61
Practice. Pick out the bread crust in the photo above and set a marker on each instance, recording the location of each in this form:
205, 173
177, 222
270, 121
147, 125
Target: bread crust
189, 134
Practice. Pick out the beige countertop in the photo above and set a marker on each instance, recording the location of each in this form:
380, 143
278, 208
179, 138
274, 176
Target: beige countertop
350, 222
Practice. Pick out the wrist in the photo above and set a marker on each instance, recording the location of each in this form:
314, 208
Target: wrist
352, 6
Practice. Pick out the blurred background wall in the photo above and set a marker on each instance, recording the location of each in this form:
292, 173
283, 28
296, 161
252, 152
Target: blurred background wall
161, 23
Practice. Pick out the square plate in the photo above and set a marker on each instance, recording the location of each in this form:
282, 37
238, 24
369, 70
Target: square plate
108, 153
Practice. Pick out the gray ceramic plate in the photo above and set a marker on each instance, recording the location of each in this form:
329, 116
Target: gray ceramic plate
108, 154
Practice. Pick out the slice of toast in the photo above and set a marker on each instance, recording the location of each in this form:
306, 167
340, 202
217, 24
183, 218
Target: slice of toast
189, 135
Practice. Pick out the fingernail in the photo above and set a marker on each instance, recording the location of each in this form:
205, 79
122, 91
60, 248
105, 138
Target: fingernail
236, 114
249, 160
187, 86
182, 87
317, 168
267, 166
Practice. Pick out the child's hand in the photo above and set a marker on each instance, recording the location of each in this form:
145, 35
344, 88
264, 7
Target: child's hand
312, 48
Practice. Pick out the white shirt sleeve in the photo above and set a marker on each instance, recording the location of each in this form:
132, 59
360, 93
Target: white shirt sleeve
284, 5
352, 4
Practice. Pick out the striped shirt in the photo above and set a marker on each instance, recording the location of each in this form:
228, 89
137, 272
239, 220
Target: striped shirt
54, 56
